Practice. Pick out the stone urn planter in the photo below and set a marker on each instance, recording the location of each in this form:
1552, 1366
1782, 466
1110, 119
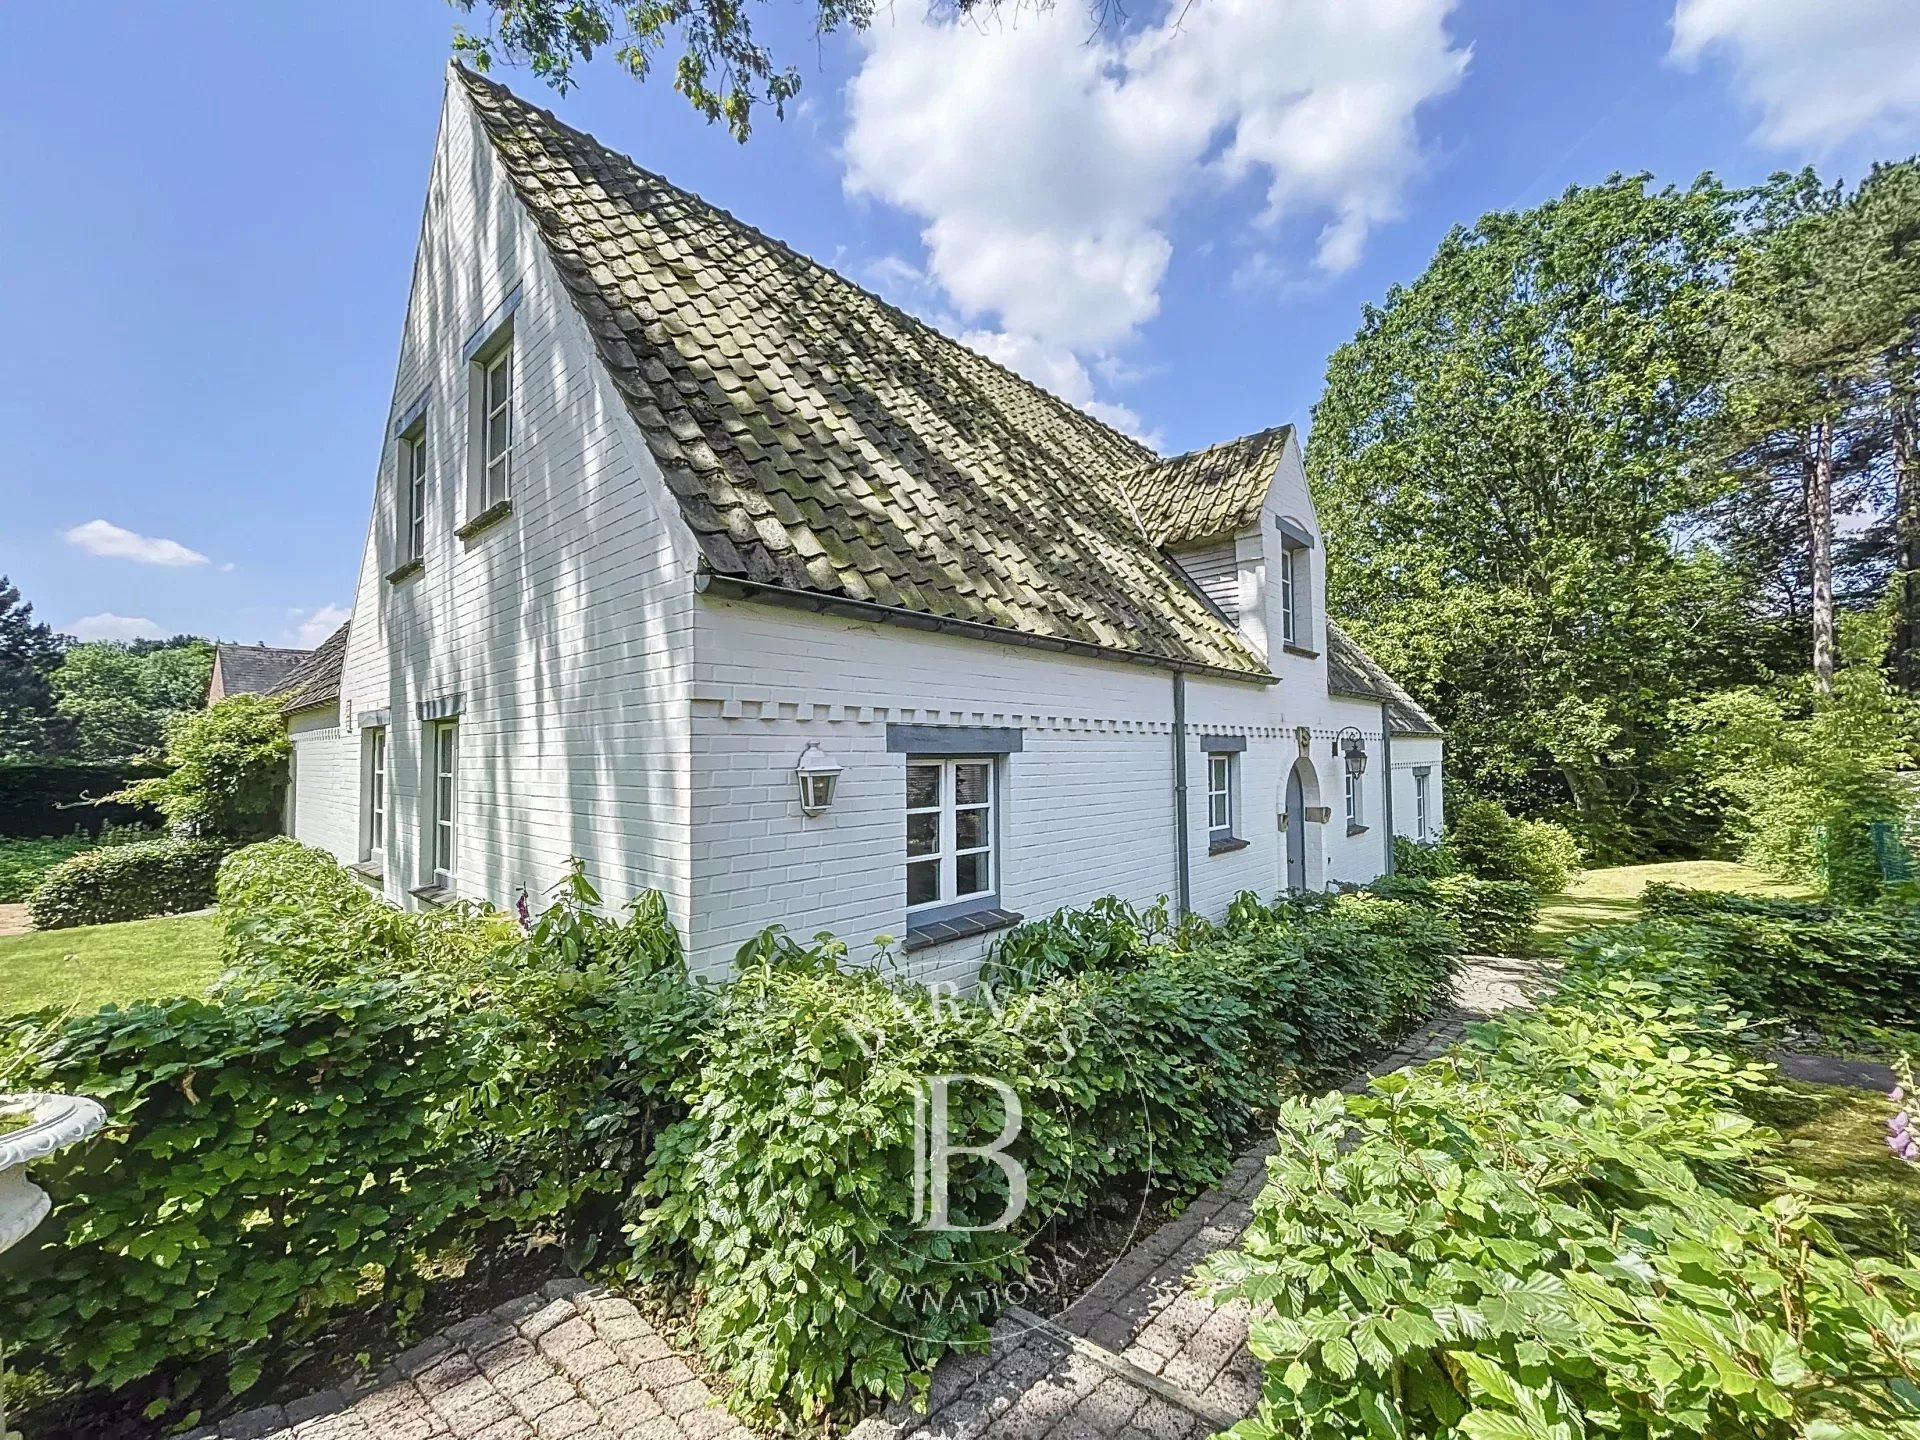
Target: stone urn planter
32, 1127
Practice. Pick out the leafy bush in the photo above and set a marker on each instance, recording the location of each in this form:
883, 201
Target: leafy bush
1420, 859
1134, 1053
1801, 960
1484, 840
1560, 1230
126, 882
227, 771
276, 1152
1494, 917
23, 863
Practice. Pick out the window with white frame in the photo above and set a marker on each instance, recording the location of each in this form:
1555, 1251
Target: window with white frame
1421, 829
950, 833
492, 399
374, 844
444, 748
1289, 615
1353, 801
413, 474
1220, 796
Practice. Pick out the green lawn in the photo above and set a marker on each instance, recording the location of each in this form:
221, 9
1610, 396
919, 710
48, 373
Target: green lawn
93, 964
1837, 1138
1612, 897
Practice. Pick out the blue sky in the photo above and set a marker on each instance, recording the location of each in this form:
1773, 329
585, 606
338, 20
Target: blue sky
211, 209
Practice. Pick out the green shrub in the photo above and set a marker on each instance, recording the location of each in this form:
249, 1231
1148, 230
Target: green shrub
288, 1151
1494, 917
126, 882
1420, 859
1561, 1230
23, 863
1134, 1054
1829, 964
226, 771
1484, 840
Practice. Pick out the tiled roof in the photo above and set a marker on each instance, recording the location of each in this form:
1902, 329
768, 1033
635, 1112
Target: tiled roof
1208, 492
255, 669
1353, 672
823, 443
318, 681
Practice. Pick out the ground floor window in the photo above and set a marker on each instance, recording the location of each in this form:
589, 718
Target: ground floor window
1353, 801
1421, 829
950, 832
375, 807
1220, 796
445, 750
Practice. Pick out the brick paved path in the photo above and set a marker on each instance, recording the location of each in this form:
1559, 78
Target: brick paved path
1138, 1357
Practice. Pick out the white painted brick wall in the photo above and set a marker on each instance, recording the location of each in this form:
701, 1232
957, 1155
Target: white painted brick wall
566, 626
325, 804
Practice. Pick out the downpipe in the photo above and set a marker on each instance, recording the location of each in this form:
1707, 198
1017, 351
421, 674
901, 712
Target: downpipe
1183, 885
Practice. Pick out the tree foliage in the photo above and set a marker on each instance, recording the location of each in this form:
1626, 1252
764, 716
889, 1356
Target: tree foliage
722, 67
1497, 459
227, 771
122, 695
30, 725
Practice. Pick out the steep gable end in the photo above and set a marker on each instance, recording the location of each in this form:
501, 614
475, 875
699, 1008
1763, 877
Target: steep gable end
1206, 493
821, 442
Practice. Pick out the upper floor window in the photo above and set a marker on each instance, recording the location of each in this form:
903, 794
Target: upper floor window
491, 478
1289, 609
413, 473
950, 832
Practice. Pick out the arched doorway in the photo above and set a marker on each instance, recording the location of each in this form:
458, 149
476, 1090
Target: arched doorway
1305, 862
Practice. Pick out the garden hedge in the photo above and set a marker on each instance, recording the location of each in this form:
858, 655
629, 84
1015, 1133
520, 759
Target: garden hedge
127, 882
56, 797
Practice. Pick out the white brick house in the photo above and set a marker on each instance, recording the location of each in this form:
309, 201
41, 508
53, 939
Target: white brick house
663, 507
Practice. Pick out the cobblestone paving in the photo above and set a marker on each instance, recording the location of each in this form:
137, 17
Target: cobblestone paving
1138, 1357
568, 1363
1154, 1360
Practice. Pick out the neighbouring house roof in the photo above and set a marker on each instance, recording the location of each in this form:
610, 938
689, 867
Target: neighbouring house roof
318, 681
1354, 673
1206, 493
254, 669
824, 445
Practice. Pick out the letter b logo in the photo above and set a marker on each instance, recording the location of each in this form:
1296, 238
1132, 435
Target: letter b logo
932, 1148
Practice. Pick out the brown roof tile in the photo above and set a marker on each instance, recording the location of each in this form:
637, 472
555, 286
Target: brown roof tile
1208, 492
1353, 672
318, 681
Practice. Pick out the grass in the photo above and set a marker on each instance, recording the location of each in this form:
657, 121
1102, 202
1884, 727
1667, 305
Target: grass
1612, 896
92, 965
1836, 1137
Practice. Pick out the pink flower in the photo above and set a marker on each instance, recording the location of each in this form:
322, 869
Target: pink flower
1896, 1094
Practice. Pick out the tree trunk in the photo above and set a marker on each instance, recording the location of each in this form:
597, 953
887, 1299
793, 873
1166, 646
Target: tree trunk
1906, 526
1820, 543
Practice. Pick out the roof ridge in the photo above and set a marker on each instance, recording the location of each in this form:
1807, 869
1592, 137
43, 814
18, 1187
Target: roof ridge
1268, 433
777, 243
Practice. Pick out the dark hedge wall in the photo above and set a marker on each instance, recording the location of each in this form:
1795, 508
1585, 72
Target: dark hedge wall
48, 797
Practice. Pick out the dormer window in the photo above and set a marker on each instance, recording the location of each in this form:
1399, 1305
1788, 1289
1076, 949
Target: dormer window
1289, 590
1297, 628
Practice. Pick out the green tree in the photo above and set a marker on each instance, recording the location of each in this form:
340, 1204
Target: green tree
30, 725
227, 771
1499, 459
122, 695
722, 68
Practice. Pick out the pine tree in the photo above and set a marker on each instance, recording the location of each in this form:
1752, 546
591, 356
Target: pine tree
30, 725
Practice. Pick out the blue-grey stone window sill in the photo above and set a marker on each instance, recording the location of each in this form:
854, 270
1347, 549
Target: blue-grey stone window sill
1358, 829
371, 871
959, 927
492, 515
405, 571
435, 894
1302, 651
1225, 844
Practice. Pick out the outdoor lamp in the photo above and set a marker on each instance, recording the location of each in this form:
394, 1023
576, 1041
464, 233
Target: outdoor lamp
817, 775
1354, 747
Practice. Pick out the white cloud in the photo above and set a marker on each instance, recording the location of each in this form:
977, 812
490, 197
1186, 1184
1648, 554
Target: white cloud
1820, 72
108, 626
317, 625
1046, 164
103, 537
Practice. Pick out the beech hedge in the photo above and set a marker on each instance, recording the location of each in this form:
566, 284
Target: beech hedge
127, 882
